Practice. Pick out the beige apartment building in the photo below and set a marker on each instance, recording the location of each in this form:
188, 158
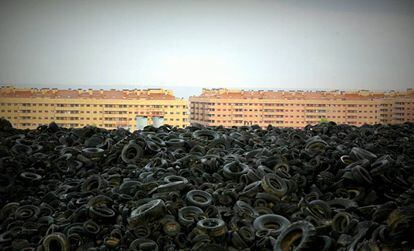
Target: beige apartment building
29, 108
299, 108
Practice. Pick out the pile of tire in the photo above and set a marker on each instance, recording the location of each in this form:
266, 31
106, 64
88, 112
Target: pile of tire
326, 187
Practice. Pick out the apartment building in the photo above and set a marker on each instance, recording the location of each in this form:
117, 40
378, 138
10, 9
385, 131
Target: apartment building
29, 108
299, 108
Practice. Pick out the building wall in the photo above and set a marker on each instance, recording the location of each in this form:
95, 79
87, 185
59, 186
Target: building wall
29, 108
297, 109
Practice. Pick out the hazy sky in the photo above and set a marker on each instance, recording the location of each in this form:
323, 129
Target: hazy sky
306, 44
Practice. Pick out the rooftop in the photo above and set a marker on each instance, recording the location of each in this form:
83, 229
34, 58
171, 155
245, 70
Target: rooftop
308, 95
151, 94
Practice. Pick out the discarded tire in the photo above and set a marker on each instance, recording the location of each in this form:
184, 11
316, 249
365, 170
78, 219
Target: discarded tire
327, 187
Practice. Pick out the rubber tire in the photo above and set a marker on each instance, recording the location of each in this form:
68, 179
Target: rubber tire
212, 226
274, 184
302, 230
56, 237
190, 197
260, 223
150, 211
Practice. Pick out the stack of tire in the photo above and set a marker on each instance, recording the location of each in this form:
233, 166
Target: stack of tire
326, 187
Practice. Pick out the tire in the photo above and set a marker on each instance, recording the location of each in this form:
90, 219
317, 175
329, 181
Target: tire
298, 236
274, 184
269, 222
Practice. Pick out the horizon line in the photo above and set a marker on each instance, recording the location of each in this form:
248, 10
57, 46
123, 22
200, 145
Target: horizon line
211, 88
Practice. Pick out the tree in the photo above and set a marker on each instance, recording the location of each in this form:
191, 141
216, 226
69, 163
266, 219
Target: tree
324, 120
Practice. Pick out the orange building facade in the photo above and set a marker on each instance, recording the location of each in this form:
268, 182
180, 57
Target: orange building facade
297, 109
29, 108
